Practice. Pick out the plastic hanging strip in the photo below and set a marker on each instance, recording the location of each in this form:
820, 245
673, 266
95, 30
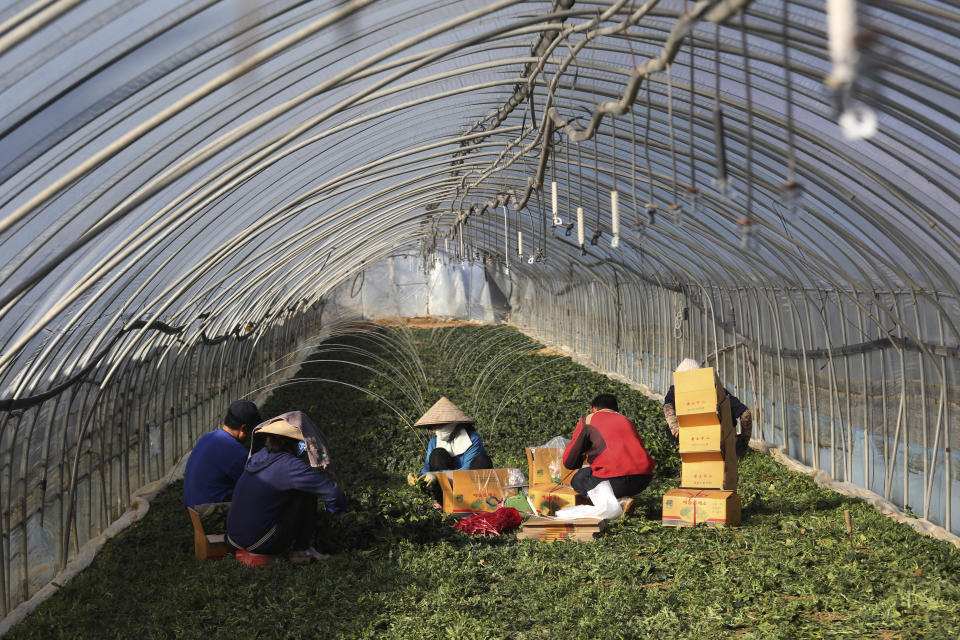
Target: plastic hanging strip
554, 204
615, 218
857, 121
506, 236
721, 181
693, 191
580, 237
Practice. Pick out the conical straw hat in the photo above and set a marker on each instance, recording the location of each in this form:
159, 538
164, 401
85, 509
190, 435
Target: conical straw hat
280, 427
443, 412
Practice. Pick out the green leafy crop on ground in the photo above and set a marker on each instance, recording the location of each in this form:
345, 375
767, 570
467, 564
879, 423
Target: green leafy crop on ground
400, 571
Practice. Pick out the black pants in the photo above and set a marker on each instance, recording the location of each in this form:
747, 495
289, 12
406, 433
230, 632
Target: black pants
584, 481
298, 521
441, 460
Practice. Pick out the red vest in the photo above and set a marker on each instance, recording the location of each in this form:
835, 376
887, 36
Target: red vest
611, 445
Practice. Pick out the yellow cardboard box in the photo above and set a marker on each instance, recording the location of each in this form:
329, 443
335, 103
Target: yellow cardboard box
704, 439
706, 421
474, 490
686, 508
721, 415
712, 469
546, 466
697, 391
547, 498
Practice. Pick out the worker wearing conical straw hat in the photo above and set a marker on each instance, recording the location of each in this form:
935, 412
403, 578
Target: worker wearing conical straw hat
455, 445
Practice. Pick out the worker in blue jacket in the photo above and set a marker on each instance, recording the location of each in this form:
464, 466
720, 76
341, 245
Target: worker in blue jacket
217, 459
274, 506
455, 445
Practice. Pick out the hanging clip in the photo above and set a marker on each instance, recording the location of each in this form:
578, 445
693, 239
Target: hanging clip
791, 192
675, 212
596, 236
746, 233
693, 200
651, 213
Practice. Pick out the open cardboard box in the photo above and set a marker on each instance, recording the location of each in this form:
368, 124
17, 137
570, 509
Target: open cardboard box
689, 507
546, 466
475, 490
547, 498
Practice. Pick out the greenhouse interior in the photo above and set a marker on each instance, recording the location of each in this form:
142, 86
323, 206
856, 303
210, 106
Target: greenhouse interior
353, 209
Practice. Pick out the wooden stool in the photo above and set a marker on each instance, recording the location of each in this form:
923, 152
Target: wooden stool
206, 546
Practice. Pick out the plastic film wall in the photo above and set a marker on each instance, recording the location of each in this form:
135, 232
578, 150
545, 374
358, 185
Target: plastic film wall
191, 192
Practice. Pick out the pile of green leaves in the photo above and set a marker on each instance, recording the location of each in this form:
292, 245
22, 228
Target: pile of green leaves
399, 570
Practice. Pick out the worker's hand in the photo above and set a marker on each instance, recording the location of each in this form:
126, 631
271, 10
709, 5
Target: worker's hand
743, 445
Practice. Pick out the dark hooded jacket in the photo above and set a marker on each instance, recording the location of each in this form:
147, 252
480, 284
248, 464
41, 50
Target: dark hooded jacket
268, 483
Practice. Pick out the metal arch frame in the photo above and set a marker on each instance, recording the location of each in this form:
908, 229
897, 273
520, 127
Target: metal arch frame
162, 214
807, 306
210, 149
779, 293
894, 268
906, 277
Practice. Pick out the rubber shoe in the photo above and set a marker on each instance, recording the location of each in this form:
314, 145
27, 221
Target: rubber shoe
306, 556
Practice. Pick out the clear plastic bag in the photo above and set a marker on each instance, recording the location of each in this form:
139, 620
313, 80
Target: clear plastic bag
557, 442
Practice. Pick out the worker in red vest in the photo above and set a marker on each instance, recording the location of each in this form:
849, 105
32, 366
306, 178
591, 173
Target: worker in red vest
610, 444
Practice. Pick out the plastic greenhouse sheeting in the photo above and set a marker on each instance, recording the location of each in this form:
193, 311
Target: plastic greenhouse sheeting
192, 193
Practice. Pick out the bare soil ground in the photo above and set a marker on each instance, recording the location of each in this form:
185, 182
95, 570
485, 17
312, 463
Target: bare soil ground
423, 322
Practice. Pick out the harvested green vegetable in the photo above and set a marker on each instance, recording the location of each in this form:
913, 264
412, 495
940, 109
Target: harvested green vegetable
401, 571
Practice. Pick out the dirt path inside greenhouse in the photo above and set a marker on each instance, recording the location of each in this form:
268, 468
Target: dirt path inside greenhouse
399, 569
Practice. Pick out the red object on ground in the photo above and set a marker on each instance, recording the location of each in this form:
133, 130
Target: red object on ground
490, 523
253, 559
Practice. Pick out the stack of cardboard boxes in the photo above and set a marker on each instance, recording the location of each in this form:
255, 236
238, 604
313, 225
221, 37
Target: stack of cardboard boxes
551, 529
549, 492
708, 477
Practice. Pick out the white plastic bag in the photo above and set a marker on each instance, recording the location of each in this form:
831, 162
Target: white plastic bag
604, 507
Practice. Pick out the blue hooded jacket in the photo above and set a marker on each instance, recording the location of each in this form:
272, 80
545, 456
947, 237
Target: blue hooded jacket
268, 483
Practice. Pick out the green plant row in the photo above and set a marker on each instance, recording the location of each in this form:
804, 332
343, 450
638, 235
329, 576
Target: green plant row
399, 570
